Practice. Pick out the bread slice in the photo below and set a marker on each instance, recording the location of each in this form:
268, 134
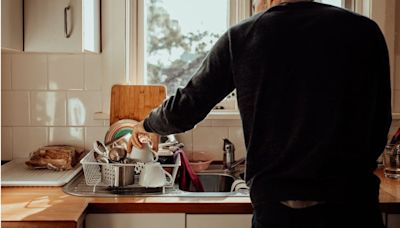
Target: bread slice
59, 157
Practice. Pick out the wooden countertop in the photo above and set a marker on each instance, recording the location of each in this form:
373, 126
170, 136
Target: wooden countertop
50, 206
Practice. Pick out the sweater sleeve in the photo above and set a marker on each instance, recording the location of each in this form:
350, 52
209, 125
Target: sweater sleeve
191, 104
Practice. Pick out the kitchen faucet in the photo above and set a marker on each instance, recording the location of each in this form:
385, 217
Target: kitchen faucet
229, 163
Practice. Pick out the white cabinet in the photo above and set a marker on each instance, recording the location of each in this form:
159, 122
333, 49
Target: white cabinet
62, 26
175, 220
218, 220
136, 220
12, 25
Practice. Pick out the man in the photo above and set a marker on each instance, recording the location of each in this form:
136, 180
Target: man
313, 91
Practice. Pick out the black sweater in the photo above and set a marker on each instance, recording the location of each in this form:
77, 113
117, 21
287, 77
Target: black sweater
313, 89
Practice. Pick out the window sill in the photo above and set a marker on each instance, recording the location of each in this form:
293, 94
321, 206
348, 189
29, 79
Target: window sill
396, 116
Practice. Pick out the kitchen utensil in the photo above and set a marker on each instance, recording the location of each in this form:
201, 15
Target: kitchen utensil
391, 161
134, 101
153, 175
115, 151
200, 160
100, 149
199, 166
15, 173
119, 129
124, 175
117, 154
165, 156
145, 154
100, 158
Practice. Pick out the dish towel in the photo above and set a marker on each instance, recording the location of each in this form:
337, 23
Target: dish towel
187, 174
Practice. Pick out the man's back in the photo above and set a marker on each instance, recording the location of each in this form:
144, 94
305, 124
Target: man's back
313, 90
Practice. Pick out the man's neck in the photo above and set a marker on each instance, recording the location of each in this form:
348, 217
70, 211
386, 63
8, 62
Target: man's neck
292, 1
277, 2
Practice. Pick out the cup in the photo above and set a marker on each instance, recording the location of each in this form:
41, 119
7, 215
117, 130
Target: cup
153, 175
391, 161
145, 154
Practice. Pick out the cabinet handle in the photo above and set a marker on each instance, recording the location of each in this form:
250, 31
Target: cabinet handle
67, 33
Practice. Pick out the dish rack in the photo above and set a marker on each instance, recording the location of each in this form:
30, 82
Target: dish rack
109, 174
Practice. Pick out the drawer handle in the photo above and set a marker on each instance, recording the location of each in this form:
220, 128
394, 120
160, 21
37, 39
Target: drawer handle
67, 33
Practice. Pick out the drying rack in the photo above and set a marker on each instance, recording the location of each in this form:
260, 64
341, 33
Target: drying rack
107, 174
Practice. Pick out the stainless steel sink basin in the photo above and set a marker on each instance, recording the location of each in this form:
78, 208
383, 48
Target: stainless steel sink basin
215, 182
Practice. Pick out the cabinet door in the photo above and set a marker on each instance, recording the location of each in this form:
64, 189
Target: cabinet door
218, 220
136, 220
11, 25
53, 26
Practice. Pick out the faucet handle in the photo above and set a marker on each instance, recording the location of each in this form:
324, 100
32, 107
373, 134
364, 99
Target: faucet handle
228, 146
229, 154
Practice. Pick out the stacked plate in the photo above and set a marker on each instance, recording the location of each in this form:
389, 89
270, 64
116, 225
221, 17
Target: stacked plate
119, 129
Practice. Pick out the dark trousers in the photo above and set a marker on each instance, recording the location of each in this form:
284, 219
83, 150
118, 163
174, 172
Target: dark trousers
326, 215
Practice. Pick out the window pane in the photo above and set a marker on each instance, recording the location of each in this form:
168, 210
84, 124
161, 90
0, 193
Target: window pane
178, 35
337, 3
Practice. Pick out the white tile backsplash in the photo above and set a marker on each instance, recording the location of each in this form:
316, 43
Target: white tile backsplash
235, 135
204, 123
210, 139
15, 108
6, 143
29, 71
93, 72
66, 72
187, 139
92, 134
28, 139
73, 136
226, 123
81, 106
48, 108
5, 72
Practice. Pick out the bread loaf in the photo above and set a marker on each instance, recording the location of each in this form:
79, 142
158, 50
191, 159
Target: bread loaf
59, 158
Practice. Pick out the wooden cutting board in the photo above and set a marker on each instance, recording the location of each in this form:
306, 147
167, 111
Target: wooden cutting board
134, 101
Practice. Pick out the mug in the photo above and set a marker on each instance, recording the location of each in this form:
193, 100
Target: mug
153, 175
391, 161
145, 154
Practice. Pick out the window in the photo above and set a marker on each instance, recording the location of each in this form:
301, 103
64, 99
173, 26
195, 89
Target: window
174, 36
168, 39
338, 3
359, 6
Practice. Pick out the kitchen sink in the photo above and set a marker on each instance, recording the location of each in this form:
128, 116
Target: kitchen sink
216, 184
